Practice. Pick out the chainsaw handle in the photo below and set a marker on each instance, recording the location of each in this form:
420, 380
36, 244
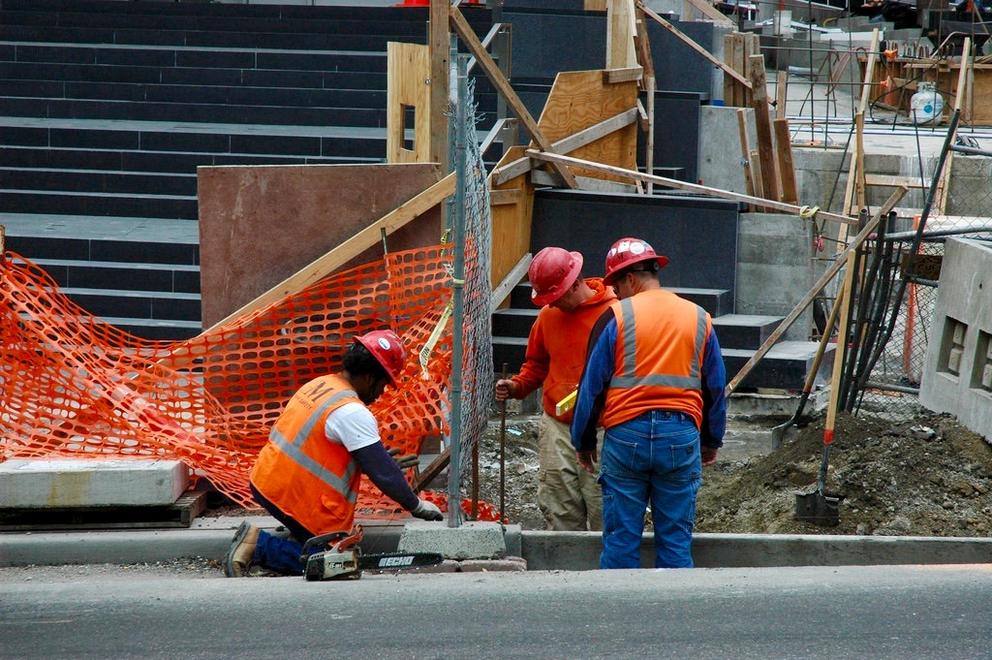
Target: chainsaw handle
321, 541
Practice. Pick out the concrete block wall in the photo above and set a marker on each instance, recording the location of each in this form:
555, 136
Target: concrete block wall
958, 374
720, 158
774, 270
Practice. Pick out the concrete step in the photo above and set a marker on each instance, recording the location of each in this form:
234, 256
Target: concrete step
509, 350
173, 278
514, 322
784, 367
149, 161
158, 305
744, 330
718, 302
99, 181
93, 203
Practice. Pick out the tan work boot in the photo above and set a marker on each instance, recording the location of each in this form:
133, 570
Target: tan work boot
239, 557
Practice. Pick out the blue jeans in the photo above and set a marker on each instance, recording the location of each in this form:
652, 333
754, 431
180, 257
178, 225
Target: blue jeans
653, 457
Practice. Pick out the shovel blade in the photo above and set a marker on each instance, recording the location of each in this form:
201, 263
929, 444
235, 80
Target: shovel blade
821, 509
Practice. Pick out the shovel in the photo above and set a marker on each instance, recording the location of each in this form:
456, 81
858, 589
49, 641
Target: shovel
820, 507
780, 432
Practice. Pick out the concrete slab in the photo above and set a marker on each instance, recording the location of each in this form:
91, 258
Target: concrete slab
26, 483
473, 540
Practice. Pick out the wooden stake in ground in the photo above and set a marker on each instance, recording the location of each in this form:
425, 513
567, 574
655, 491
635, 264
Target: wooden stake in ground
786, 167
752, 189
940, 195
439, 49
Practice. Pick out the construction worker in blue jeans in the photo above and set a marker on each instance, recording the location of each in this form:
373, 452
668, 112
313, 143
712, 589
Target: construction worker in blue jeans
654, 378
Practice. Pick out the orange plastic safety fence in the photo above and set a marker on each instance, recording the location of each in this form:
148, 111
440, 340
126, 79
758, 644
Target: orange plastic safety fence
73, 385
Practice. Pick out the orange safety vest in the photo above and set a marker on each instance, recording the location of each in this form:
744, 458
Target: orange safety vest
310, 477
659, 352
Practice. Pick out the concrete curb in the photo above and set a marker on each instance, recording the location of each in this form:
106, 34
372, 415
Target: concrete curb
573, 551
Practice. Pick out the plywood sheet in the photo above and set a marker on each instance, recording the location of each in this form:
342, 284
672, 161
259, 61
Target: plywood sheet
511, 222
261, 224
580, 99
409, 73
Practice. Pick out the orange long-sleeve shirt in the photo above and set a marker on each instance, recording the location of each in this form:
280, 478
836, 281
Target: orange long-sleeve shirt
556, 349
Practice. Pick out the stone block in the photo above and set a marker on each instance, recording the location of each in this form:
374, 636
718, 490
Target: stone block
64, 483
957, 373
509, 564
472, 540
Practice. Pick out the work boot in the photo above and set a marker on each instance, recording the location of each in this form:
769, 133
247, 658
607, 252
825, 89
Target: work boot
239, 557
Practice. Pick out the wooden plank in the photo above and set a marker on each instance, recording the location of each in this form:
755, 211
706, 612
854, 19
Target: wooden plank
850, 189
502, 290
943, 184
503, 173
439, 45
781, 93
762, 122
754, 158
499, 197
643, 44
859, 166
681, 36
579, 100
594, 5
892, 181
620, 31
682, 185
746, 152
344, 252
730, 42
712, 13
432, 471
807, 300
408, 73
622, 75
786, 167
502, 85
511, 222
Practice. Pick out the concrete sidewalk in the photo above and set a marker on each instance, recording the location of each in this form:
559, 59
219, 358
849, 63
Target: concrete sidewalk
572, 551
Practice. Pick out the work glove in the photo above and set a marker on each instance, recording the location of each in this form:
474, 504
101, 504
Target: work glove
427, 511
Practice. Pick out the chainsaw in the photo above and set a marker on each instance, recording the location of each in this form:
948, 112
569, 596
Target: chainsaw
343, 559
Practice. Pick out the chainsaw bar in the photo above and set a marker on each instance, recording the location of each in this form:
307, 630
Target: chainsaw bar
392, 561
349, 564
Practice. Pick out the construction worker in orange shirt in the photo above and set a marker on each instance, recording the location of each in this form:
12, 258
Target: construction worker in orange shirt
307, 475
567, 495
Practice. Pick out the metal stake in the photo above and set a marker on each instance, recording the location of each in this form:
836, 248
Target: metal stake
502, 454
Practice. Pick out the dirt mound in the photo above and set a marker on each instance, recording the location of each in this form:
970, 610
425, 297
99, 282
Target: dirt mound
925, 477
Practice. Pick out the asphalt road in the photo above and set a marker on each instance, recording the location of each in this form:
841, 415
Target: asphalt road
845, 612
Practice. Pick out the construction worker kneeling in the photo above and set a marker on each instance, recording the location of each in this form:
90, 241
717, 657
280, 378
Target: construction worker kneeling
307, 475
655, 379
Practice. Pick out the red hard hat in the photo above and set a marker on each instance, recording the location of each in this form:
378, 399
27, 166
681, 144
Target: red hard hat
627, 252
387, 348
551, 273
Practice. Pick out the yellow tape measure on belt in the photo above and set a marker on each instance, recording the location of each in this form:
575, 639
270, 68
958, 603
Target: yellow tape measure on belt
566, 404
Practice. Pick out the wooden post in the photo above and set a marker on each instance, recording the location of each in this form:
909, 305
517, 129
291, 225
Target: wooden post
407, 86
786, 167
940, 195
731, 52
746, 152
781, 93
643, 44
762, 122
438, 42
620, 31
859, 165
852, 175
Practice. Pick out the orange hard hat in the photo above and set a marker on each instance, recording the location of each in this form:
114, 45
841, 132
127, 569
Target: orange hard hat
628, 251
551, 273
387, 349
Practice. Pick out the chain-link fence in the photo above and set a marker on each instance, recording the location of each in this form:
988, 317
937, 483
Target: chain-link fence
909, 260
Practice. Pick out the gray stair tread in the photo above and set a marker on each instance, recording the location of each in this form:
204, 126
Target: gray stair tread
691, 290
752, 320
128, 293
518, 311
785, 350
166, 175
196, 127
204, 154
116, 264
95, 227
510, 341
152, 323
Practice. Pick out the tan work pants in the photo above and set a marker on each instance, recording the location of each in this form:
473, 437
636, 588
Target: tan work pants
569, 497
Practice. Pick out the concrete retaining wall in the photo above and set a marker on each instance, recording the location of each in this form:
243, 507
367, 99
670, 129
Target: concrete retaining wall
958, 374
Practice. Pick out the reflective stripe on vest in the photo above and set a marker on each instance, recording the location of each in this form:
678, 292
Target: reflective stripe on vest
629, 378
292, 449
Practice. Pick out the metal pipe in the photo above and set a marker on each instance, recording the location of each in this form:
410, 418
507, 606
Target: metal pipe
972, 151
938, 233
458, 295
892, 388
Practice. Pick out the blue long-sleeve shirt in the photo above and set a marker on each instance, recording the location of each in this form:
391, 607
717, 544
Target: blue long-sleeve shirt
600, 365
